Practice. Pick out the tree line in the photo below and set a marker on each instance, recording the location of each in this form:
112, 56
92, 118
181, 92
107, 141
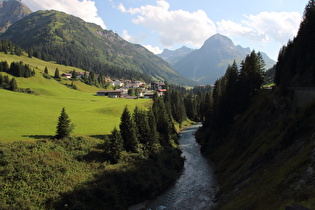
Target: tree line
8, 47
17, 69
232, 93
145, 132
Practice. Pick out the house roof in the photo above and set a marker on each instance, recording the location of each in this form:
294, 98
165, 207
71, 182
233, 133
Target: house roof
162, 90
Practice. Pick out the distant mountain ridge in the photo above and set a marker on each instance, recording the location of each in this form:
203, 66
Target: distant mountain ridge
11, 12
209, 63
173, 56
57, 36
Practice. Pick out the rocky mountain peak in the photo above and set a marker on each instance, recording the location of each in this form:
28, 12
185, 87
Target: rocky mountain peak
10, 12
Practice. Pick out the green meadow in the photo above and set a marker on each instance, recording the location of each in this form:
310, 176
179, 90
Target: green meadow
34, 116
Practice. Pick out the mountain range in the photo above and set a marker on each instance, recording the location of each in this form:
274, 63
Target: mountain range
57, 36
68, 40
173, 56
209, 63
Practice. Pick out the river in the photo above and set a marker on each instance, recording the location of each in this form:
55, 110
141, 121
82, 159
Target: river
196, 187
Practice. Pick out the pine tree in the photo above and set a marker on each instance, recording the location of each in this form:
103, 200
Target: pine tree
163, 120
46, 70
128, 132
5, 66
6, 82
115, 146
64, 127
74, 74
13, 85
141, 121
153, 142
57, 75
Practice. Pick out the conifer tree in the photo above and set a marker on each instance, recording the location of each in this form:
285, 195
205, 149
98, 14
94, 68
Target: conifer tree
6, 81
13, 85
115, 146
5, 66
153, 142
128, 132
46, 70
163, 120
74, 74
64, 127
141, 121
57, 75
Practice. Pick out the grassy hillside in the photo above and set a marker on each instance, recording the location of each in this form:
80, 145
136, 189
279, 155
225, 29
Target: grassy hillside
28, 116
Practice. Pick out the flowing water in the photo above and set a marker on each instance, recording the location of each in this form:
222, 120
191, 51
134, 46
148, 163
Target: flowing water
196, 187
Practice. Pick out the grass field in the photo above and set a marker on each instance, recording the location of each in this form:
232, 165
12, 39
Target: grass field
28, 116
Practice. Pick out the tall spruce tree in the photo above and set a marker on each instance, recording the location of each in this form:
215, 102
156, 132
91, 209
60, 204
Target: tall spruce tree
115, 146
141, 121
163, 120
57, 74
128, 132
153, 142
64, 127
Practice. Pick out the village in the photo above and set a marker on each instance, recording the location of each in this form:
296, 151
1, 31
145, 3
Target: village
126, 88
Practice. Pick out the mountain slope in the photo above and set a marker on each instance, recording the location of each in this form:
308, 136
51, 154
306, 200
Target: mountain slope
209, 63
71, 41
173, 56
11, 12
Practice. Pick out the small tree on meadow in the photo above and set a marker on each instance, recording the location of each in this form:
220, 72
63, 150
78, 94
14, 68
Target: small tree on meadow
64, 127
57, 74
46, 70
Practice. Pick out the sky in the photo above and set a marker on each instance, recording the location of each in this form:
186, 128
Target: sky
170, 24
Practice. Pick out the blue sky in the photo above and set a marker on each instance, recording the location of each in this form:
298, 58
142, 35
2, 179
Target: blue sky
158, 24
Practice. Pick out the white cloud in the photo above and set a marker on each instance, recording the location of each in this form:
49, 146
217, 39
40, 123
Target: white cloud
264, 27
129, 38
173, 26
155, 50
85, 9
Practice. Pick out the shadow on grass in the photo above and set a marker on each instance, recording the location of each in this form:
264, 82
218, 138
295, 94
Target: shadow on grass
39, 136
93, 156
